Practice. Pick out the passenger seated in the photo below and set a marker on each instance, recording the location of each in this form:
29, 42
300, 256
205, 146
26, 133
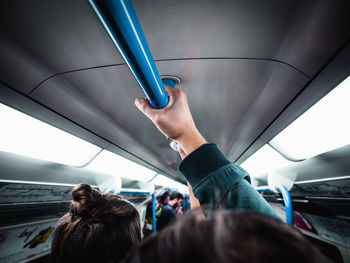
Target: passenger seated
227, 236
170, 210
98, 228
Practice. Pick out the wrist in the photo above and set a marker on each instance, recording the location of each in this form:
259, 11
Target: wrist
191, 141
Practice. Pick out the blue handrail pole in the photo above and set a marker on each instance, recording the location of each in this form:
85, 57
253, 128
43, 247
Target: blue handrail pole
169, 82
134, 192
154, 212
262, 188
286, 199
287, 203
120, 20
183, 204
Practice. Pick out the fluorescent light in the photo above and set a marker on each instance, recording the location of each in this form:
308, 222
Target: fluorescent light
322, 128
167, 182
163, 181
24, 135
265, 160
112, 163
180, 187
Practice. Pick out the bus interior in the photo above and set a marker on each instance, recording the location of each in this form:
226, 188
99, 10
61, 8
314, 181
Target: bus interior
267, 81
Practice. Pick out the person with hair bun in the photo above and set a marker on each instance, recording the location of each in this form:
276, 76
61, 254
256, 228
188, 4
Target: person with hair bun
97, 228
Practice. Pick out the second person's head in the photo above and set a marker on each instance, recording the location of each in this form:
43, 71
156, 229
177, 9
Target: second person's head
98, 228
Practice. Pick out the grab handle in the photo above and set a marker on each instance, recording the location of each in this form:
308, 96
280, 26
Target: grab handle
286, 199
119, 19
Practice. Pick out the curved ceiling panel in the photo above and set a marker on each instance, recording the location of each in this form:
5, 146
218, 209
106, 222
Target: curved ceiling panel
42, 38
232, 102
304, 34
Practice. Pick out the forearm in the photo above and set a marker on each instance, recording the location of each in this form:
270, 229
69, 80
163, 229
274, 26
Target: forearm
217, 182
190, 141
193, 200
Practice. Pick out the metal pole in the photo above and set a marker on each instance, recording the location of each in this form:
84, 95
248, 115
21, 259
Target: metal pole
169, 82
262, 188
154, 212
134, 192
287, 203
286, 199
188, 204
119, 19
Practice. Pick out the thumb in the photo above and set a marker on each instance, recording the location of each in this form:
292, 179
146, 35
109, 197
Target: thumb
143, 105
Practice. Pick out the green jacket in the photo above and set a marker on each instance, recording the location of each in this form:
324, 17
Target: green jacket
216, 182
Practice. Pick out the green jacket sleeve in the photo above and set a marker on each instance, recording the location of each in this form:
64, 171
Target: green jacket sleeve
216, 182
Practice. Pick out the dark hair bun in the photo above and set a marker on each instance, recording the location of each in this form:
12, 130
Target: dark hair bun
84, 200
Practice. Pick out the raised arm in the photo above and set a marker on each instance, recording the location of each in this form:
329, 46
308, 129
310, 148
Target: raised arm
175, 120
216, 182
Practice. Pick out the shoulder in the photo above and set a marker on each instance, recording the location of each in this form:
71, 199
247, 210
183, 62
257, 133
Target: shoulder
168, 208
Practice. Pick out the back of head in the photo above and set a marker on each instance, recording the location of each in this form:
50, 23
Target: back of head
227, 236
174, 195
98, 228
163, 199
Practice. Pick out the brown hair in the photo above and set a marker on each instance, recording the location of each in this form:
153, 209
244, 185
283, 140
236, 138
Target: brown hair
177, 195
227, 236
98, 228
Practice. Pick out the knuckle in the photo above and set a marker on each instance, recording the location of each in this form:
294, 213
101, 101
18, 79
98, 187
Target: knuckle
156, 119
145, 109
178, 92
181, 94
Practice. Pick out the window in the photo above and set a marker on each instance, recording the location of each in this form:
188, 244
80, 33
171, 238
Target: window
167, 182
24, 135
266, 159
324, 127
111, 163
